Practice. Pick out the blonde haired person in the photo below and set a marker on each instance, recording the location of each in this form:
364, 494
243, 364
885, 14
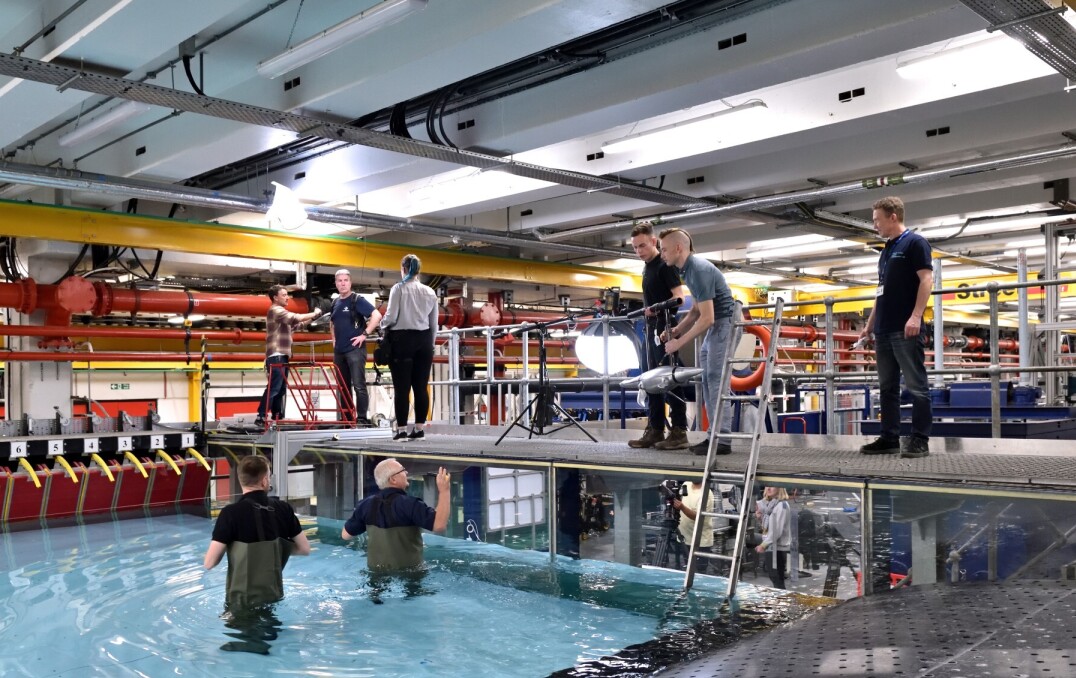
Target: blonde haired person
776, 532
410, 325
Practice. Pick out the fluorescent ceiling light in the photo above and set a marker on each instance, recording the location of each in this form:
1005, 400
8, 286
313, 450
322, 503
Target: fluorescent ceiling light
331, 39
807, 244
1030, 242
286, 212
821, 287
193, 317
998, 56
685, 131
103, 123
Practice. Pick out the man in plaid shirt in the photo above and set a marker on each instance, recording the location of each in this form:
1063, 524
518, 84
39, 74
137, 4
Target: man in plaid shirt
280, 323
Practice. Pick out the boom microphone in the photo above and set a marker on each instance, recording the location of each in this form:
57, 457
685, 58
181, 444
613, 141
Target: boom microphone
666, 305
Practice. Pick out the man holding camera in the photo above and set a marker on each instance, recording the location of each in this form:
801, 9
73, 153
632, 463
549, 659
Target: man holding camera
661, 283
688, 505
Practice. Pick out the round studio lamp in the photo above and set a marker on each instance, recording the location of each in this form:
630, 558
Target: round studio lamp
623, 347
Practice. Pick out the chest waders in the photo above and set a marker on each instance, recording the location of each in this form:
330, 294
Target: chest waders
256, 571
395, 547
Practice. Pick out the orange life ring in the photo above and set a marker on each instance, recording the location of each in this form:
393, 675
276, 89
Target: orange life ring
754, 379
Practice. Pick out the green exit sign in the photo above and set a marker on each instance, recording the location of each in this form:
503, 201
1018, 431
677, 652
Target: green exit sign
119, 387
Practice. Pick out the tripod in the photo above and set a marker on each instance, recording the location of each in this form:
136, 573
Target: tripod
544, 404
670, 541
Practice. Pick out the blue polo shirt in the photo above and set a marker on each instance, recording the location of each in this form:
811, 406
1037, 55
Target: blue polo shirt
407, 510
346, 310
898, 277
707, 282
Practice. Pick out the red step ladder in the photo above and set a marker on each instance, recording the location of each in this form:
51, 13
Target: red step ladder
310, 385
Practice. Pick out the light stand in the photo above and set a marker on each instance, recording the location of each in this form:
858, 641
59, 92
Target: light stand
544, 403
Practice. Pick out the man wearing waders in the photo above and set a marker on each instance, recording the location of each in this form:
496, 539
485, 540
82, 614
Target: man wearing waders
395, 520
259, 533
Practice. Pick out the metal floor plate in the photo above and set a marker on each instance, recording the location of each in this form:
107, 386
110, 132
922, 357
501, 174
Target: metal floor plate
983, 630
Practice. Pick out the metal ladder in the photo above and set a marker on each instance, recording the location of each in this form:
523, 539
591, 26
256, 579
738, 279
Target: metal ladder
747, 479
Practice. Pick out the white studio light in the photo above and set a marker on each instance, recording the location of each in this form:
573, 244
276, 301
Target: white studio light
286, 212
623, 345
347, 31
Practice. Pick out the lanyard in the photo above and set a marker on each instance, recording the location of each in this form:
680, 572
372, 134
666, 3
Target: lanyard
883, 262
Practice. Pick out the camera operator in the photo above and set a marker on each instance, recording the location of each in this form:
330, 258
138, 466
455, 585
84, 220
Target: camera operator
688, 506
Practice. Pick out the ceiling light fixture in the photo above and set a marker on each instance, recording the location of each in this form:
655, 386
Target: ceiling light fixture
331, 39
685, 129
103, 123
998, 56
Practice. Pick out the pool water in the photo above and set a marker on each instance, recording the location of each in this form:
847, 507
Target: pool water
130, 598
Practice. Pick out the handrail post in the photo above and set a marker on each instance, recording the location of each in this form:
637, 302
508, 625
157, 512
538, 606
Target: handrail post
995, 366
939, 331
831, 418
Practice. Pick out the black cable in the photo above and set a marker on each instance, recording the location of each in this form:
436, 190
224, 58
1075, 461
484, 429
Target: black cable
190, 75
74, 265
446, 96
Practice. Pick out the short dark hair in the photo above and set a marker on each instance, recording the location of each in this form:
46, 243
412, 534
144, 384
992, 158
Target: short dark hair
891, 205
275, 290
671, 231
642, 229
252, 469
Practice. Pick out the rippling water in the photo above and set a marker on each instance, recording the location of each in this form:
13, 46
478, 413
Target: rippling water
130, 598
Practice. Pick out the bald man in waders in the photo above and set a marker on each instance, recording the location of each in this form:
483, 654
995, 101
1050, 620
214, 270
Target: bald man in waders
259, 533
394, 520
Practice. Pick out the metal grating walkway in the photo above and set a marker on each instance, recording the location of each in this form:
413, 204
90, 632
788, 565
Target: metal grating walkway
1033, 463
983, 630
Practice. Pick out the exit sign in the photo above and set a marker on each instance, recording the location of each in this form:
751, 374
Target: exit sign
119, 387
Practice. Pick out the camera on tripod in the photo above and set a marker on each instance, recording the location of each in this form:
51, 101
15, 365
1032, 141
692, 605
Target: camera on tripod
671, 490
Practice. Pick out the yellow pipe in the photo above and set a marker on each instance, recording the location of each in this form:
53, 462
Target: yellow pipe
171, 462
30, 470
24, 220
194, 453
138, 465
67, 467
104, 467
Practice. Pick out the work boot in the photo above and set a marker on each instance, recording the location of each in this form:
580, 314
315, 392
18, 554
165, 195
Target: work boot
881, 446
677, 440
915, 447
651, 437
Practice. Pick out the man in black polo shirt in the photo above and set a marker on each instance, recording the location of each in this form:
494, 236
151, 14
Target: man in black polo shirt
352, 319
395, 520
259, 533
661, 282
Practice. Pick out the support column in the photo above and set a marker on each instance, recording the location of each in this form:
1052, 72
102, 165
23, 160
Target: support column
924, 551
38, 389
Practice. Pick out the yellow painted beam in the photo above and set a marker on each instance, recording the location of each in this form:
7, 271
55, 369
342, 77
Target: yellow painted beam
24, 220
952, 300
194, 395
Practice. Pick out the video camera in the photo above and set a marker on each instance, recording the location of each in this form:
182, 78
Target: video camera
671, 489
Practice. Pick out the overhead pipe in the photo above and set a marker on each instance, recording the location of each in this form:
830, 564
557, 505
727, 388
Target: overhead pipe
999, 162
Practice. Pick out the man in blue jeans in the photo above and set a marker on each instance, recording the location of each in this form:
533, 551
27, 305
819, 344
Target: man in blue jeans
904, 283
279, 324
710, 317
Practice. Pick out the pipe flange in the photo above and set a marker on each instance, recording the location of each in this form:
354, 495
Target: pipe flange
105, 299
75, 294
27, 295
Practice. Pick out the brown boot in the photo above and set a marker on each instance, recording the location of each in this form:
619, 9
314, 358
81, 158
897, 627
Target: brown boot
650, 438
677, 440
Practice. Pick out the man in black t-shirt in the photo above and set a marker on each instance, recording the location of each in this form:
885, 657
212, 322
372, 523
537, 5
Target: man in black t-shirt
259, 533
661, 282
905, 278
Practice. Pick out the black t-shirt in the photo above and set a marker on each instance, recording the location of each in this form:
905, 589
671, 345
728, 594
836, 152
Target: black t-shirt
237, 522
898, 276
659, 280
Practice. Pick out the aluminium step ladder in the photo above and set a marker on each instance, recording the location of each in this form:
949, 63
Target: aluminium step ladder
745, 480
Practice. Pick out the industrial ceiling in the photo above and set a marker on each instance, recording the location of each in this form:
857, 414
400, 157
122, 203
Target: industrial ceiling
488, 125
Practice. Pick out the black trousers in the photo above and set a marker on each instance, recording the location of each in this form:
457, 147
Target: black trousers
412, 359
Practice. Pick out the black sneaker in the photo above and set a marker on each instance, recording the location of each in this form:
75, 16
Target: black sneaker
700, 449
881, 446
400, 435
259, 422
723, 448
915, 447
417, 434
